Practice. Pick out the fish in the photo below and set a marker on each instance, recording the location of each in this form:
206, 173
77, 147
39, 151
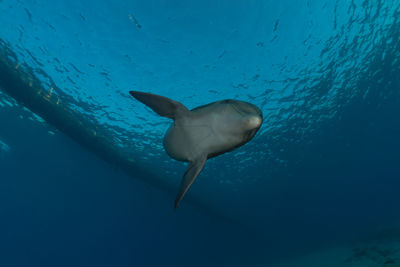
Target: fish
204, 132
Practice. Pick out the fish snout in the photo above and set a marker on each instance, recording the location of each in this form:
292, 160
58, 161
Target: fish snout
253, 122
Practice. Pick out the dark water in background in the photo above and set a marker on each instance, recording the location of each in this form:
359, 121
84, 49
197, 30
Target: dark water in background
323, 171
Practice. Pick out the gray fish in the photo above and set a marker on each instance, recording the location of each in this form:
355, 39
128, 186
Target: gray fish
203, 132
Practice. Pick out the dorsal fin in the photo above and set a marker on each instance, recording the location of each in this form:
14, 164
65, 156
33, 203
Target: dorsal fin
163, 106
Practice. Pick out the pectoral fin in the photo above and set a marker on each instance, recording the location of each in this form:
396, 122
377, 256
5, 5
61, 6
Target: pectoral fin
190, 175
161, 105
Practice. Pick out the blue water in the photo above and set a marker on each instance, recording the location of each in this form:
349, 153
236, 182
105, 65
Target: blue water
322, 171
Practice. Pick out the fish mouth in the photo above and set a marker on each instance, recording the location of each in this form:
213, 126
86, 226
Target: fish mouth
254, 124
250, 134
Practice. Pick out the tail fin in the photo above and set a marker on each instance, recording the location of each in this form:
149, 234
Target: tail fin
161, 105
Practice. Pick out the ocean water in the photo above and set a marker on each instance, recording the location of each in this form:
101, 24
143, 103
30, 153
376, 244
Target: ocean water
84, 178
